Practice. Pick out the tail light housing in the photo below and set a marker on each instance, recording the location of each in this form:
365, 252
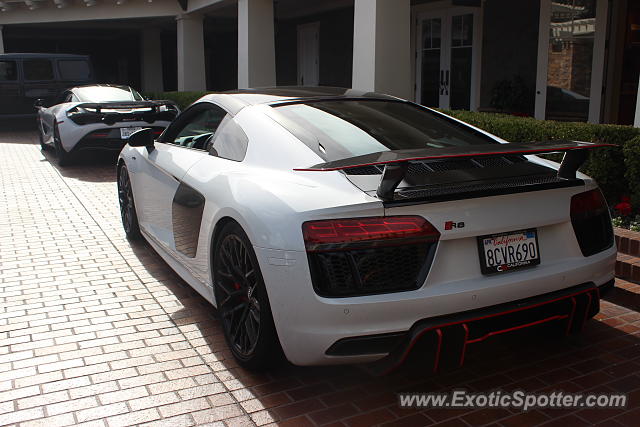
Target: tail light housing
591, 222
364, 256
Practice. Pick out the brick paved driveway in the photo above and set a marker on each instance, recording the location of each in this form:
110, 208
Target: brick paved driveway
97, 331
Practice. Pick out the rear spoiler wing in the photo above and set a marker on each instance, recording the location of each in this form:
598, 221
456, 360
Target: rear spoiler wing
123, 105
94, 111
396, 162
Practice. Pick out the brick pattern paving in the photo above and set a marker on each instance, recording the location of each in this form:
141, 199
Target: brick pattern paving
628, 262
97, 331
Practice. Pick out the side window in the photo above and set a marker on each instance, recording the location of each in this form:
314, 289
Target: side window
74, 69
69, 97
8, 71
230, 142
37, 69
197, 128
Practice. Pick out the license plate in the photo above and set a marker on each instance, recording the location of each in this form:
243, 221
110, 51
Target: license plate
125, 133
509, 251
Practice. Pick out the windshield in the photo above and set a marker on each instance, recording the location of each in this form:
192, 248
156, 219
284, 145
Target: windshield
107, 94
347, 128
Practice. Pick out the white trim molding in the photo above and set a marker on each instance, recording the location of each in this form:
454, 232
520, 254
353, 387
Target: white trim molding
598, 62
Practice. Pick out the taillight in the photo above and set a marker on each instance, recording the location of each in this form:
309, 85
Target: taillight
376, 231
587, 204
591, 222
364, 256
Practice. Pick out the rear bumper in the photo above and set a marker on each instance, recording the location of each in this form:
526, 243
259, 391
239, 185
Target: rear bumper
446, 339
106, 140
309, 325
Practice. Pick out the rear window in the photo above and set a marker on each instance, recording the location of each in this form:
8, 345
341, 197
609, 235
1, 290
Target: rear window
8, 71
37, 69
74, 69
342, 129
107, 94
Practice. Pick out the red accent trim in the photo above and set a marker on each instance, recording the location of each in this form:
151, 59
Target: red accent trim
409, 347
453, 156
515, 328
464, 346
573, 312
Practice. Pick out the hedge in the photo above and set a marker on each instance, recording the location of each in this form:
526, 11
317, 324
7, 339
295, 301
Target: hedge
617, 170
183, 99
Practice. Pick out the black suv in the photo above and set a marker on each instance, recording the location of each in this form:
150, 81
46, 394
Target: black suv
25, 77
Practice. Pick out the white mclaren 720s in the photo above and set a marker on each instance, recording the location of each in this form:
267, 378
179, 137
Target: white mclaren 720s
98, 117
334, 226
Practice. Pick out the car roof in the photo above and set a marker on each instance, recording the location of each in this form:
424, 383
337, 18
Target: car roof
234, 101
41, 56
123, 87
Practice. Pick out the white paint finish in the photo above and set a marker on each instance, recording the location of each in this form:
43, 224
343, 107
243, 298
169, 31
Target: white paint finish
598, 63
1, 40
256, 44
636, 122
151, 62
309, 54
78, 11
543, 60
381, 46
271, 201
71, 133
191, 66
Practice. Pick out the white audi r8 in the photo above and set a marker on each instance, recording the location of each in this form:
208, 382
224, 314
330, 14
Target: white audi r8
99, 117
336, 226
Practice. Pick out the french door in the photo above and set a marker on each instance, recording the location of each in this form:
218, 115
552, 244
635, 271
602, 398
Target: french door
447, 58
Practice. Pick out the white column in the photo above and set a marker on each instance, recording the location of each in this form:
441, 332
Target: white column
191, 69
256, 44
598, 61
382, 46
151, 60
636, 122
1, 41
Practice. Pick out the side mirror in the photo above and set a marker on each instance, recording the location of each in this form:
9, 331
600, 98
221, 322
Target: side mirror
141, 138
39, 103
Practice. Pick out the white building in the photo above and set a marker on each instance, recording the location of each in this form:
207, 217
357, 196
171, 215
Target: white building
557, 59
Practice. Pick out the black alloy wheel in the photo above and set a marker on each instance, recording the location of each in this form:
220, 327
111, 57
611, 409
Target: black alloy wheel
242, 301
127, 205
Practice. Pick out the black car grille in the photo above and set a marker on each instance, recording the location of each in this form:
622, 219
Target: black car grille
370, 271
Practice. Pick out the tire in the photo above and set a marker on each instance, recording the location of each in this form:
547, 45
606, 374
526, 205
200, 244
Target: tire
64, 158
243, 304
127, 205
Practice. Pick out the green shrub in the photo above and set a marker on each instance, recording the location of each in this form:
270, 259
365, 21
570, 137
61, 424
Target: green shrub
606, 165
183, 99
